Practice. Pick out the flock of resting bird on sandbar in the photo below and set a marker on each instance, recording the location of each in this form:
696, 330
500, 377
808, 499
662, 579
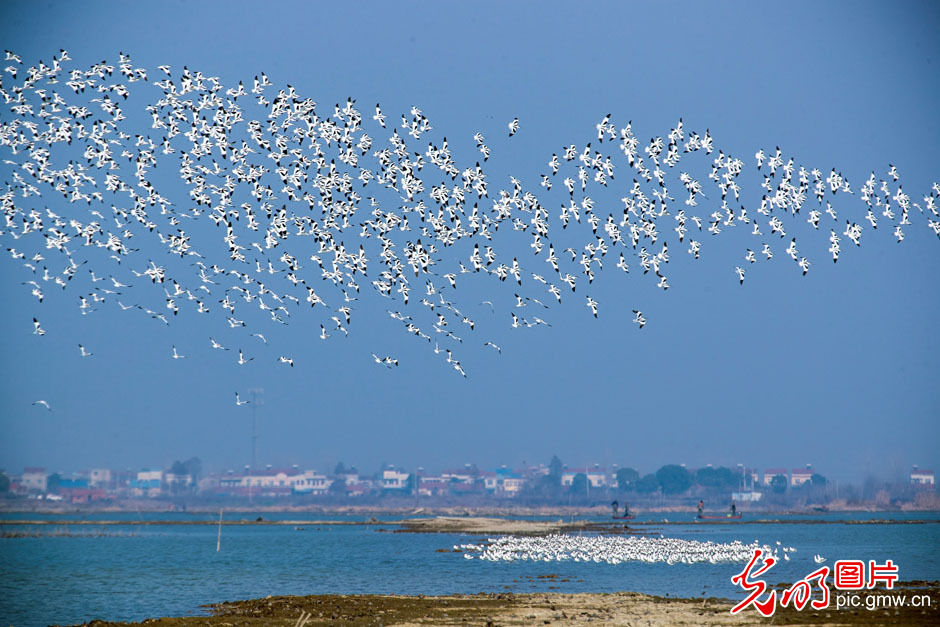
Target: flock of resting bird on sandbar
614, 549
291, 208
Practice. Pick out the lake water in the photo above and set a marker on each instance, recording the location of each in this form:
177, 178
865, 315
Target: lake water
140, 571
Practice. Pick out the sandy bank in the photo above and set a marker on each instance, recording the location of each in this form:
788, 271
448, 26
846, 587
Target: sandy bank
623, 608
484, 525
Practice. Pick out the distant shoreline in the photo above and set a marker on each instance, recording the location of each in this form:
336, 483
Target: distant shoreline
154, 507
478, 525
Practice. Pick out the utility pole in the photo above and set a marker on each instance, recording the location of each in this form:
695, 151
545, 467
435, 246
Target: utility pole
255, 392
417, 484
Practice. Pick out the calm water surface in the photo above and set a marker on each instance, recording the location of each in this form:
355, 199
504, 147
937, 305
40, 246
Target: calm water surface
136, 572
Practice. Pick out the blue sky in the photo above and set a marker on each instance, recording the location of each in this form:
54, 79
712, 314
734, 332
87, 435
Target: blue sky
838, 368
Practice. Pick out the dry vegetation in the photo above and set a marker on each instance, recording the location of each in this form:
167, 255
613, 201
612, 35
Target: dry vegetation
623, 608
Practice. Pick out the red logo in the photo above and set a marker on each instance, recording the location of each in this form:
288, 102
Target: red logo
757, 587
802, 590
848, 575
887, 573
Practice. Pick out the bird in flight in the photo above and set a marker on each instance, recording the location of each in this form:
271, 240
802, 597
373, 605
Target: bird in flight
592, 305
386, 361
319, 180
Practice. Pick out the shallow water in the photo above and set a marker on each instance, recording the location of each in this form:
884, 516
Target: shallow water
140, 571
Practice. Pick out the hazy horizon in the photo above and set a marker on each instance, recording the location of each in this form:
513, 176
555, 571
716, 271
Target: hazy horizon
374, 467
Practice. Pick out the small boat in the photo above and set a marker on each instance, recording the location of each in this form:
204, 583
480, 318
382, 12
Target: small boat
630, 517
724, 517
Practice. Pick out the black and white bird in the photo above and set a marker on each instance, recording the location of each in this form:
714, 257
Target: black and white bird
592, 305
384, 361
305, 156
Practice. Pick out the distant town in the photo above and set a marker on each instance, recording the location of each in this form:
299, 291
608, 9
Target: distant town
554, 483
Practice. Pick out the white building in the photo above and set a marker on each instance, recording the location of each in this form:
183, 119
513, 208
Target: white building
34, 479
310, 482
921, 476
512, 485
148, 483
799, 476
394, 479
99, 477
276, 482
503, 481
596, 477
149, 476
465, 476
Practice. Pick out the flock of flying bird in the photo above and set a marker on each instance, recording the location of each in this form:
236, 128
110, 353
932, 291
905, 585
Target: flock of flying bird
290, 208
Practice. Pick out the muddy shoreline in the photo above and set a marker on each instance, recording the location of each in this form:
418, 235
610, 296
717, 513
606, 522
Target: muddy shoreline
622, 608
